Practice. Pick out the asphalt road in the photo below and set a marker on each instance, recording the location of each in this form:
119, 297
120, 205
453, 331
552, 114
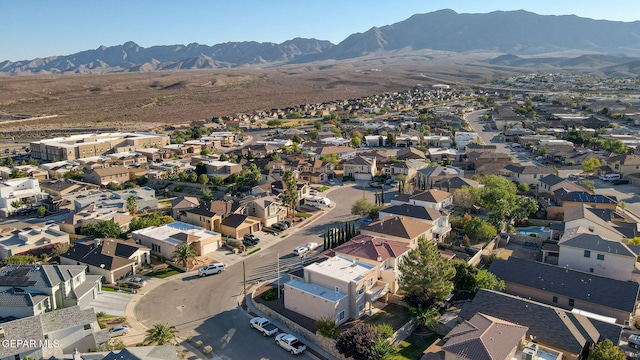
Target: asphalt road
207, 308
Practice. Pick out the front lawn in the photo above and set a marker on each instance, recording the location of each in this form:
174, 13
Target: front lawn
164, 273
324, 188
413, 346
392, 315
304, 214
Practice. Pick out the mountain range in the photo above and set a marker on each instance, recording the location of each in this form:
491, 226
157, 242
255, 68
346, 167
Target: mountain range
519, 38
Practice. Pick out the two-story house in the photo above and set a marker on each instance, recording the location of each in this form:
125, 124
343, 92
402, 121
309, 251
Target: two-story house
315, 171
360, 168
399, 228
383, 253
163, 240
15, 193
409, 168
338, 288
267, 209
624, 165
434, 199
568, 289
65, 285
209, 215
526, 174
436, 218
103, 176
31, 240
428, 176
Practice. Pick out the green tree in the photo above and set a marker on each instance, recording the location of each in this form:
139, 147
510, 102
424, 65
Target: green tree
184, 253
203, 179
477, 228
207, 194
17, 204
391, 139
382, 350
334, 159
145, 221
217, 180
425, 273
487, 280
111, 345
606, 350
20, 260
42, 211
290, 197
465, 198
161, 334
590, 165
74, 174
362, 207
102, 229
587, 184
327, 327
425, 316
356, 142
183, 176
132, 204
193, 177
17, 173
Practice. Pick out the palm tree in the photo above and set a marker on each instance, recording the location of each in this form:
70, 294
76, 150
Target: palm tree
17, 204
161, 334
132, 205
183, 253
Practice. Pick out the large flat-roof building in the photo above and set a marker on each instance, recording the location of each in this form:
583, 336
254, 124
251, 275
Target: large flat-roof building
88, 145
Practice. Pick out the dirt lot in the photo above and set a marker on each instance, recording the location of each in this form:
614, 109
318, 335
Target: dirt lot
518, 251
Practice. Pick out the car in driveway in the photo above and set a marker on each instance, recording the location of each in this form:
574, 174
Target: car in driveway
280, 226
300, 250
287, 222
313, 192
211, 269
119, 330
137, 282
250, 240
620, 182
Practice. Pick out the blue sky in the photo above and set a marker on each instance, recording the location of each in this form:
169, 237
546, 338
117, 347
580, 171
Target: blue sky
40, 28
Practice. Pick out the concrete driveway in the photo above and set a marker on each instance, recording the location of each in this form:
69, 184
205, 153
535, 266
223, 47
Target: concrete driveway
111, 303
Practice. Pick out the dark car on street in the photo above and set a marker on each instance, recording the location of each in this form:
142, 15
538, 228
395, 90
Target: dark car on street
250, 240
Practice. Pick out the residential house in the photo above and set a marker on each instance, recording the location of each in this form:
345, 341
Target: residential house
375, 140
28, 170
360, 168
33, 240
463, 139
430, 175
209, 215
477, 159
225, 137
57, 169
163, 240
610, 224
259, 150
95, 162
454, 183
408, 168
624, 165
61, 187
442, 154
112, 259
338, 288
15, 193
65, 285
344, 152
103, 176
482, 337
560, 330
49, 335
221, 168
585, 251
410, 153
399, 228
149, 352
385, 254
315, 171
434, 199
182, 203
436, 218
552, 182
73, 223
568, 289
145, 198
129, 158
267, 209
529, 175
565, 199
437, 141
17, 303
238, 225
277, 188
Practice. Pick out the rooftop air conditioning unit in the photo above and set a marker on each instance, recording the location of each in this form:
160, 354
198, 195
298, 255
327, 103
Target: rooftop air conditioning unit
530, 352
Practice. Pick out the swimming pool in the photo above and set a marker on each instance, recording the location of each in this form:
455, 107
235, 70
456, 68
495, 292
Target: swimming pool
533, 230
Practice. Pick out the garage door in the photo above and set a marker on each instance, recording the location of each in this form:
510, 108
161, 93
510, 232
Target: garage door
209, 248
362, 176
242, 232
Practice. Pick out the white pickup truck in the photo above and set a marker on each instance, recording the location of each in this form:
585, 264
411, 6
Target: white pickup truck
264, 326
290, 343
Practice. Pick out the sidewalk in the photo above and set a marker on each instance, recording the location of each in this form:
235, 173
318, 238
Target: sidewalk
313, 350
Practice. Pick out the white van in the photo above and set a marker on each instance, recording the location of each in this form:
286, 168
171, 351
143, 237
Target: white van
609, 177
317, 201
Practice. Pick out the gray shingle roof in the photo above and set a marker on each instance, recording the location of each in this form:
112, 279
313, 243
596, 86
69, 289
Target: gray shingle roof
549, 325
597, 243
160, 352
551, 180
413, 211
587, 287
38, 275
15, 298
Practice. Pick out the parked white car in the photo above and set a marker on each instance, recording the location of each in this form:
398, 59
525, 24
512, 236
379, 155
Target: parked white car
119, 330
211, 269
300, 250
313, 192
311, 246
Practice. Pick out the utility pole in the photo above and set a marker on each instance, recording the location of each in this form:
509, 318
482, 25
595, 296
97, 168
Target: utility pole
278, 273
244, 280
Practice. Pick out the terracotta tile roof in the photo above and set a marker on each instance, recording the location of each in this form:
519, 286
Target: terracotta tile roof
372, 248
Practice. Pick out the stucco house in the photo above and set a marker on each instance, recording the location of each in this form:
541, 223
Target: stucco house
434, 199
399, 228
163, 240
103, 176
238, 225
25, 191
360, 168
266, 208
436, 218
31, 239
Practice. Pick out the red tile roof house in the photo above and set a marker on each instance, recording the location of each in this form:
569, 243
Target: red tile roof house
384, 253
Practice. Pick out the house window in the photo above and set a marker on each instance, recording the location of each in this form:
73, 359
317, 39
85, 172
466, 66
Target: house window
341, 315
361, 290
600, 256
360, 309
337, 289
571, 302
555, 300
87, 327
371, 282
590, 270
587, 253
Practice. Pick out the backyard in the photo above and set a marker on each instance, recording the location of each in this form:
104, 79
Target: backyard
392, 315
413, 347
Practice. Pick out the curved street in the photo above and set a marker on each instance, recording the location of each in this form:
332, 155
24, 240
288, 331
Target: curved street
207, 308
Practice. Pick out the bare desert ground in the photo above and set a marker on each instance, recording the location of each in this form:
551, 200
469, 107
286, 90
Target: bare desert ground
154, 99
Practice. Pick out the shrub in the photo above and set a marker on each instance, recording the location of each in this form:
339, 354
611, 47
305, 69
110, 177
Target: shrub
177, 188
327, 327
533, 235
270, 294
385, 330
207, 349
198, 343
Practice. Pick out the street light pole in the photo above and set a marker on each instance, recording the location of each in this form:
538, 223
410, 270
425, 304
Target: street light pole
244, 280
278, 273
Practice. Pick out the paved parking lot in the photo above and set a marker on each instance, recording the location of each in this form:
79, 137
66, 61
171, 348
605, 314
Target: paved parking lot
111, 303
